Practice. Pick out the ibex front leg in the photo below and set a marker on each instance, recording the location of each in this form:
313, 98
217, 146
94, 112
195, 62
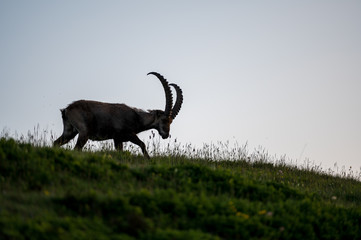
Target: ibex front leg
118, 144
134, 139
82, 139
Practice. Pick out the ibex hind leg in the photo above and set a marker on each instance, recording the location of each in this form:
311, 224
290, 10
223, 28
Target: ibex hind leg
68, 134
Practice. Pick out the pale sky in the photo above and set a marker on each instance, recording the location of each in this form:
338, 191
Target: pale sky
284, 75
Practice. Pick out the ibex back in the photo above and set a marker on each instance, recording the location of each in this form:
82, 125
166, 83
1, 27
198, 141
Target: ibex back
101, 121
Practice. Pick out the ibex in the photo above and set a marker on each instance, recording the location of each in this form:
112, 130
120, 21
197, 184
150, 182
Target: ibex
101, 121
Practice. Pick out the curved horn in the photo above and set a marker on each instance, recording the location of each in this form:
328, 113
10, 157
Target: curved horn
168, 93
178, 102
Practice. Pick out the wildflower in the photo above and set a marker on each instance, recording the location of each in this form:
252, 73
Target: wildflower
243, 215
262, 212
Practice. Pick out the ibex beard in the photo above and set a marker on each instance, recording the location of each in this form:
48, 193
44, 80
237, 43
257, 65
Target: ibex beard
101, 121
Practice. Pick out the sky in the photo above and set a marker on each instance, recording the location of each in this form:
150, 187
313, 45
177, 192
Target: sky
283, 75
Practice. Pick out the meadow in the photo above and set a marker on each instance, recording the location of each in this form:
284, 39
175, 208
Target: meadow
216, 192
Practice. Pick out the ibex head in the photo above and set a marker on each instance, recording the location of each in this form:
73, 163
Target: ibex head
163, 119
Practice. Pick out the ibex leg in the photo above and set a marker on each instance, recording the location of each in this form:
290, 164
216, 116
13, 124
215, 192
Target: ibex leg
82, 139
134, 139
118, 144
68, 134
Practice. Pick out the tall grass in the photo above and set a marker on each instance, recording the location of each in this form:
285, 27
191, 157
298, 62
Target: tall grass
217, 191
213, 151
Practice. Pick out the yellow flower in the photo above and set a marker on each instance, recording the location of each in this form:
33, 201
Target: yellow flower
262, 212
239, 214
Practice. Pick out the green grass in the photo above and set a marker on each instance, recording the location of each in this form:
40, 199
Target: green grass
54, 193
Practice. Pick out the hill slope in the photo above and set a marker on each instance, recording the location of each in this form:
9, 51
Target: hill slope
52, 193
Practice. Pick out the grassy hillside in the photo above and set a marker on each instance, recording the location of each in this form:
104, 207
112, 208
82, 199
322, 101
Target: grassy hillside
52, 193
